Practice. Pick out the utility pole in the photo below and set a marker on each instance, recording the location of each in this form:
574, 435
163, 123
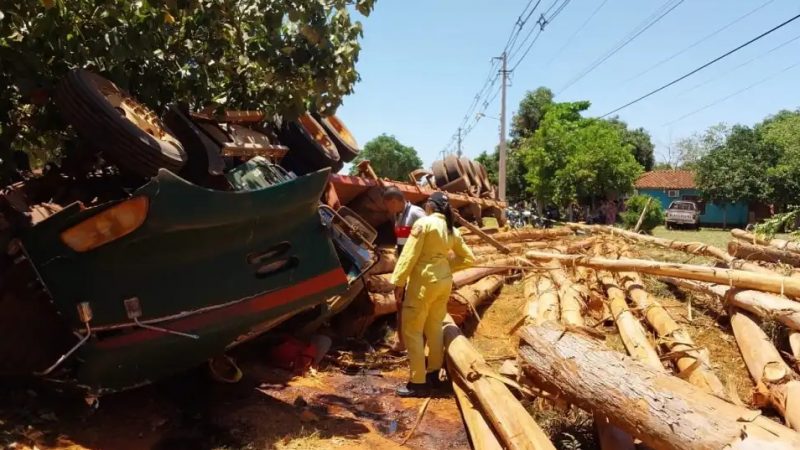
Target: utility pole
503, 156
458, 152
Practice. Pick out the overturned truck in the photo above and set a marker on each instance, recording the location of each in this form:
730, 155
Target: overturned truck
154, 246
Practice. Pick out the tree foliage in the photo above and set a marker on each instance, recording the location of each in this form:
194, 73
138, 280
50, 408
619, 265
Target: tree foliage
531, 111
389, 158
279, 56
633, 209
639, 141
570, 158
515, 172
693, 148
783, 131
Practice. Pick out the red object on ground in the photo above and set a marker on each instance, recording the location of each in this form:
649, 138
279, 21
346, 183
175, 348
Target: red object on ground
293, 354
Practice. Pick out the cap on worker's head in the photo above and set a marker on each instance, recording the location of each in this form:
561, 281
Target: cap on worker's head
439, 199
393, 192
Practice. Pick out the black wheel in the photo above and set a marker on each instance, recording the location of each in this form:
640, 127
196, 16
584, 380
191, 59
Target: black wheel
439, 173
205, 165
129, 134
310, 147
346, 144
453, 167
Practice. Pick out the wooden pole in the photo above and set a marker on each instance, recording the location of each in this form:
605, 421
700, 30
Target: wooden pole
694, 248
480, 432
663, 411
523, 235
466, 300
780, 244
514, 426
752, 252
693, 364
479, 233
738, 278
473, 274
766, 306
641, 216
773, 378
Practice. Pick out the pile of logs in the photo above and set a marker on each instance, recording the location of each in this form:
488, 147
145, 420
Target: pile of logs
665, 391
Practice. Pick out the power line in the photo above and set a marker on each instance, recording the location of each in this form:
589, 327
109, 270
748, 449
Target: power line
683, 77
735, 68
512, 52
517, 29
542, 23
580, 28
699, 41
653, 19
727, 97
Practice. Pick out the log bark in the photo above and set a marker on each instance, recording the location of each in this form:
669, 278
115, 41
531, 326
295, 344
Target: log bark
514, 426
523, 235
480, 234
630, 329
386, 262
573, 298
481, 250
693, 364
773, 378
739, 278
641, 216
383, 303
466, 300
766, 306
542, 304
752, 252
694, 248
780, 244
471, 275
379, 283
480, 432
663, 411
794, 344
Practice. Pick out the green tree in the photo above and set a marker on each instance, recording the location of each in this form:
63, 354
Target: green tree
389, 158
530, 113
783, 131
491, 162
691, 149
515, 172
736, 171
633, 209
639, 141
279, 56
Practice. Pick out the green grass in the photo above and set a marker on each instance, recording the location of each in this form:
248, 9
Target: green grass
711, 236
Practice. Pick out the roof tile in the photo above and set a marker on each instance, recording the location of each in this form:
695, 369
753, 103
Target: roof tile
666, 179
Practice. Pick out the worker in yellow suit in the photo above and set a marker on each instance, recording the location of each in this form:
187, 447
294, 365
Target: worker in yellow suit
423, 279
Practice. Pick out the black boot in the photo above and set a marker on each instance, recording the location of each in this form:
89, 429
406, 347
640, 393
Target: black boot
432, 379
413, 390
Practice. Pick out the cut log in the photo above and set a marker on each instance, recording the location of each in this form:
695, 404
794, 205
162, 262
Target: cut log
630, 329
512, 423
473, 274
583, 244
542, 304
383, 303
780, 244
480, 433
694, 248
773, 378
794, 344
763, 253
481, 250
480, 234
386, 261
763, 305
661, 410
641, 216
379, 283
523, 235
463, 302
572, 296
739, 278
693, 363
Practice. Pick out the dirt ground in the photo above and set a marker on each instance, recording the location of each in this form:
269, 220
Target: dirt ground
269, 409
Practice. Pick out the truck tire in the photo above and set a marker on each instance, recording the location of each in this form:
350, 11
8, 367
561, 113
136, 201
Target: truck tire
453, 166
346, 144
129, 134
439, 173
310, 147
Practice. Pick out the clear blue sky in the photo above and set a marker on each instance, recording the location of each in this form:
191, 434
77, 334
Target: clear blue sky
422, 63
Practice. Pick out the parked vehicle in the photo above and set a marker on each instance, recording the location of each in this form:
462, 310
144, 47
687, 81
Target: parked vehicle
682, 213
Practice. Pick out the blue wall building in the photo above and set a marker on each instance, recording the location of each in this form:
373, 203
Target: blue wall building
670, 185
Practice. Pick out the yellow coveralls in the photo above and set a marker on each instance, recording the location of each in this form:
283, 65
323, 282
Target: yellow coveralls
425, 269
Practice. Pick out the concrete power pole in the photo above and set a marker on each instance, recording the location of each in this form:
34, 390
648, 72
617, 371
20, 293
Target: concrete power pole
458, 152
503, 156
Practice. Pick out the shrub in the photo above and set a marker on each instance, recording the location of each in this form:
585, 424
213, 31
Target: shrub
633, 209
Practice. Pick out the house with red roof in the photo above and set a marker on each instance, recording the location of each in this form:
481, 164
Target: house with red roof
670, 185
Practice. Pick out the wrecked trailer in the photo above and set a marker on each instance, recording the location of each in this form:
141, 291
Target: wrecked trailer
162, 281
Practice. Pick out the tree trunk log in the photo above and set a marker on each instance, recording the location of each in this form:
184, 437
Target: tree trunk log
480, 234
780, 244
379, 283
740, 278
641, 216
692, 363
542, 306
471, 275
386, 262
772, 376
763, 253
514, 426
794, 344
663, 411
464, 301
630, 329
763, 305
481, 250
523, 235
480, 433
573, 297
694, 248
